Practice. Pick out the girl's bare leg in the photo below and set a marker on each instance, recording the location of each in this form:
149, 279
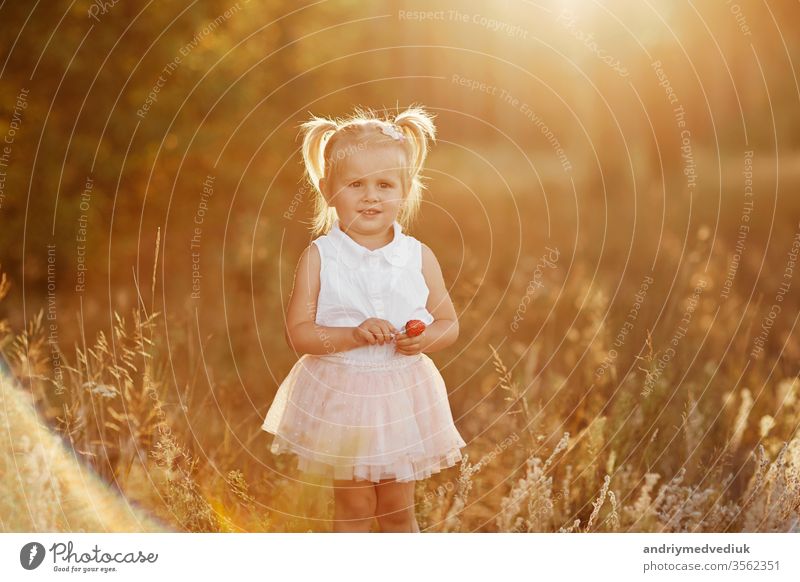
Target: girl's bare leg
395, 506
354, 505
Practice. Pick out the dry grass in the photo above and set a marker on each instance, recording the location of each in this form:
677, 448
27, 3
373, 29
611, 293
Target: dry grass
712, 446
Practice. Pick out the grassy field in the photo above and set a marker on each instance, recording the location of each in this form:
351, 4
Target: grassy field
575, 421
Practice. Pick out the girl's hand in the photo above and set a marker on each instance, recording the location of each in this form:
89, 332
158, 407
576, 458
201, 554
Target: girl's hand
374, 331
409, 346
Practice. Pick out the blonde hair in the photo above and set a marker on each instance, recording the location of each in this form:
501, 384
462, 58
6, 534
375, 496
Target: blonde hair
322, 137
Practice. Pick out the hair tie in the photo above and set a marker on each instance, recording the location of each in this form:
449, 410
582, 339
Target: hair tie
393, 131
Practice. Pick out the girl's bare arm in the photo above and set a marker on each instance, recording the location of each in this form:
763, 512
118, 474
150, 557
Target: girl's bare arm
303, 335
444, 329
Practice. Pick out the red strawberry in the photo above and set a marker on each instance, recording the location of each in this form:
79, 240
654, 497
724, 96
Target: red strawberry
414, 327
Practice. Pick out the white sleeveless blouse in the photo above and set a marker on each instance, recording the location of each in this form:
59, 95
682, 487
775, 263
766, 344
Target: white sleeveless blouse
357, 283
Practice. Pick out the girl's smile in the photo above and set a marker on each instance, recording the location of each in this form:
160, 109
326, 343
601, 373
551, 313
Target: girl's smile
367, 190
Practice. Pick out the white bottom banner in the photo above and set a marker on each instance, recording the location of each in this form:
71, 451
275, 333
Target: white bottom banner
400, 557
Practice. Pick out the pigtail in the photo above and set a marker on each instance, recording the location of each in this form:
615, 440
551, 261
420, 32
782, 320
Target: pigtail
417, 126
317, 132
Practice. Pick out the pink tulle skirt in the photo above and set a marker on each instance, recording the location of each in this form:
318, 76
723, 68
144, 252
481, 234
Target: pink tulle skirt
351, 419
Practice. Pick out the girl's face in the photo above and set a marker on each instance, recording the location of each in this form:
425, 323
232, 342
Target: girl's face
366, 189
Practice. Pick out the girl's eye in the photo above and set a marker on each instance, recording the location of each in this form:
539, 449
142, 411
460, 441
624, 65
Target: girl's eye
386, 184
355, 184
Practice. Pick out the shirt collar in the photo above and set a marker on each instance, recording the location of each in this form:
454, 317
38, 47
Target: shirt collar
354, 254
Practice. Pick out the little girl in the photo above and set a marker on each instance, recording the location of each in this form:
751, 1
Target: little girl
364, 405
